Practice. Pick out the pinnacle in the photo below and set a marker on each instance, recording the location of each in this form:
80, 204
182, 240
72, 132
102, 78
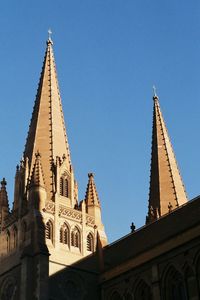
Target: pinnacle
91, 196
3, 183
3, 194
37, 177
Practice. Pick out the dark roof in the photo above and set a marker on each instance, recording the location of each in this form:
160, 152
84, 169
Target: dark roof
149, 236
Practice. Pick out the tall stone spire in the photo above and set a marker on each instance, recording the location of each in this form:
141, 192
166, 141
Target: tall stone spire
47, 133
166, 186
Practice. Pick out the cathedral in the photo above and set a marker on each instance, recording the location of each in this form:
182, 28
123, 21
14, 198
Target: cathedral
54, 247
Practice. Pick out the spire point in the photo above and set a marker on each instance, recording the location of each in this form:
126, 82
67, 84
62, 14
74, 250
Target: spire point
3, 182
155, 96
90, 175
47, 138
49, 41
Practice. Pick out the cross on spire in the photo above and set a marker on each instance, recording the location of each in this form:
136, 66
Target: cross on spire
49, 33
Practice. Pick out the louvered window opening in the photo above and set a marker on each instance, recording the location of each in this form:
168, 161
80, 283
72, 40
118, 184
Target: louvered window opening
64, 187
90, 242
75, 238
64, 235
49, 231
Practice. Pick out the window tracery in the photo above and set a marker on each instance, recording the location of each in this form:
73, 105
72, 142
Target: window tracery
174, 286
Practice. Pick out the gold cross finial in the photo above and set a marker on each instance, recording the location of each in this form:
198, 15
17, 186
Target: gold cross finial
155, 97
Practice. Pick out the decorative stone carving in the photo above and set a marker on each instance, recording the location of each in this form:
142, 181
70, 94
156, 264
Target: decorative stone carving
90, 220
50, 207
70, 213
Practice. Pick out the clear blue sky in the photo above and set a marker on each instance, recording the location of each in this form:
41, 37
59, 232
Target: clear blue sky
109, 54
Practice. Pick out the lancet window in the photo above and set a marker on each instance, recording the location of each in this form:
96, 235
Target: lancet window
49, 230
174, 286
64, 235
191, 282
90, 242
64, 186
75, 238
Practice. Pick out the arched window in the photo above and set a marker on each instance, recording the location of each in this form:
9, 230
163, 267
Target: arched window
174, 286
49, 230
8, 240
90, 242
15, 237
143, 291
24, 229
191, 282
75, 238
64, 235
116, 296
8, 289
64, 186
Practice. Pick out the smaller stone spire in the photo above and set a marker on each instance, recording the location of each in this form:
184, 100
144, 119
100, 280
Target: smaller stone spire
3, 194
93, 207
91, 197
37, 177
4, 206
37, 191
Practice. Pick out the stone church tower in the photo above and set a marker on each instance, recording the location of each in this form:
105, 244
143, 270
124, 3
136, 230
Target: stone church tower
47, 228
